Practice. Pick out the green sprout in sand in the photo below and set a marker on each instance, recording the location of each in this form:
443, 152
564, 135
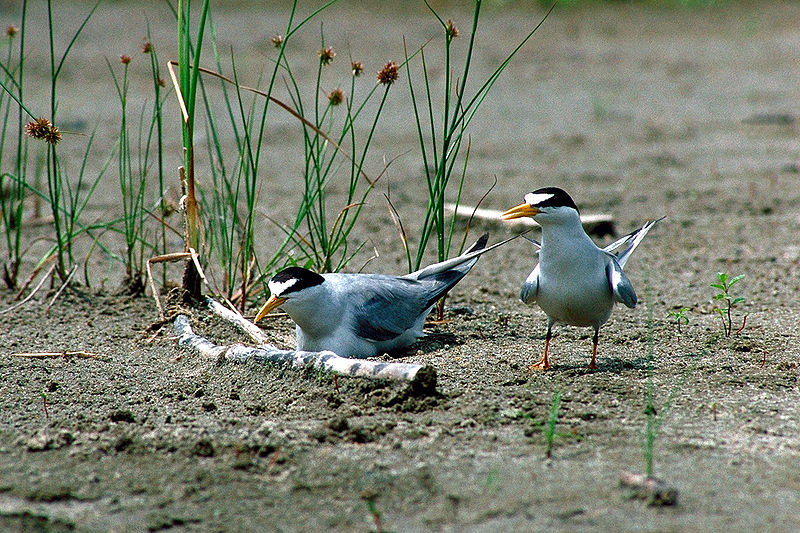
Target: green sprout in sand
729, 301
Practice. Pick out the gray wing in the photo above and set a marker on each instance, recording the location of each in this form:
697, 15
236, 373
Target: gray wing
390, 306
621, 286
530, 287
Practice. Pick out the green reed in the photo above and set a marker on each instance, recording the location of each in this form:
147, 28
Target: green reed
442, 127
12, 190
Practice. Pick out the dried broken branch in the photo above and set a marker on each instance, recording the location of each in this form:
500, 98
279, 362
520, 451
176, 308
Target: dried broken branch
421, 375
177, 256
67, 354
34, 291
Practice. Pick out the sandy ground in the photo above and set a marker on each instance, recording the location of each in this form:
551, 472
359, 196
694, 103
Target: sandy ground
638, 111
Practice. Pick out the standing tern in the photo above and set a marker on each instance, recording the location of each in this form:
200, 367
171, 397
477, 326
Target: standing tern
575, 282
363, 315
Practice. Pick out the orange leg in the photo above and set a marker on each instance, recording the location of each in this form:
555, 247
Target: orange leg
544, 362
593, 364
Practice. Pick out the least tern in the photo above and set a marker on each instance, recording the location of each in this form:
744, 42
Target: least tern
575, 282
363, 315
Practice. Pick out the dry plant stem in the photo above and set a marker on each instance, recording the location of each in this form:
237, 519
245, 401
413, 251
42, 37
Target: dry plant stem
45, 355
177, 256
63, 286
326, 361
39, 286
235, 318
191, 274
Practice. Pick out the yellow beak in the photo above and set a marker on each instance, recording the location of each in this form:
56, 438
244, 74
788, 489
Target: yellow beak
519, 211
271, 304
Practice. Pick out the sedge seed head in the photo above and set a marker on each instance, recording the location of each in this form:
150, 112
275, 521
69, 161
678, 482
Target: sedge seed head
389, 73
451, 30
326, 55
277, 41
357, 67
12, 31
124, 59
147, 47
44, 130
336, 97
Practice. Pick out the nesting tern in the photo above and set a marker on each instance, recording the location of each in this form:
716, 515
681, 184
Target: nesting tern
574, 282
363, 315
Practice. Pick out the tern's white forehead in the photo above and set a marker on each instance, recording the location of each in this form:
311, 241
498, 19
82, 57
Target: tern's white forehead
533, 198
278, 287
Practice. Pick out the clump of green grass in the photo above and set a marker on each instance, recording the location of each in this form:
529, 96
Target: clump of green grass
189, 54
333, 145
66, 196
132, 187
442, 130
12, 189
729, 301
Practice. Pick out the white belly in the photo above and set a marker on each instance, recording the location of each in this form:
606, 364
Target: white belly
575, 298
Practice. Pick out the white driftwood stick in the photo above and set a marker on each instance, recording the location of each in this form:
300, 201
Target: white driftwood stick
492, 215
328, 361
235, 318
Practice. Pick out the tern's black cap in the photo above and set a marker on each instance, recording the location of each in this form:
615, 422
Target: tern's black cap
295, 279
550, 197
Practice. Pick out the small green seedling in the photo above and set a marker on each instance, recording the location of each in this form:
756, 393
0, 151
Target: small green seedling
550, 428
44, 404
680, 318
373, 511
724, 284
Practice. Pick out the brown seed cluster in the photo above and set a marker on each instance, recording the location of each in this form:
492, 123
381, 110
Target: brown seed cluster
326, 55
357, 67
124, 59
389, 73
336, 97
147, 47
277, 41
44, 130
11, 31
451, 29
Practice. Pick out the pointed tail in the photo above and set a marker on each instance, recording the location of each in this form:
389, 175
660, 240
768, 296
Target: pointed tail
631, 240
463, 262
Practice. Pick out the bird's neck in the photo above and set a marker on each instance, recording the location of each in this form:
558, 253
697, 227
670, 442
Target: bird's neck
565, 235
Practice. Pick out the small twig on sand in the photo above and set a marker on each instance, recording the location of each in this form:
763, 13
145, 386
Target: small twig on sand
28, 297
650, 489
422, 376
235, 318
63, 286
66, 354
177, 256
